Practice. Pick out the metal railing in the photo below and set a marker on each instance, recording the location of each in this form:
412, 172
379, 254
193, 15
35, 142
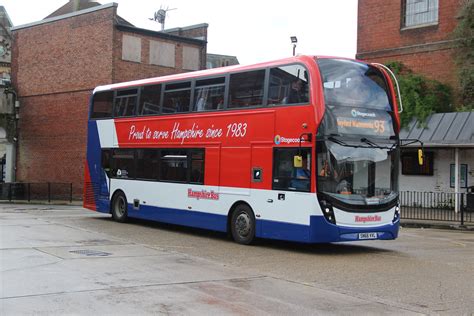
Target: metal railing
437, 206
44, 191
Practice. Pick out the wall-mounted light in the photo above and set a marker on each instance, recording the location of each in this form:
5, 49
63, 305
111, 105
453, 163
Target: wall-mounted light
294, 41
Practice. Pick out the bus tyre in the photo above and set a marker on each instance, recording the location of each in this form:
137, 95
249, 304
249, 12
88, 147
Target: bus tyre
242, 225
119, 207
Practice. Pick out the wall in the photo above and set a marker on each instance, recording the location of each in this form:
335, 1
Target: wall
427, 50
440, 181
126, 70
56, 66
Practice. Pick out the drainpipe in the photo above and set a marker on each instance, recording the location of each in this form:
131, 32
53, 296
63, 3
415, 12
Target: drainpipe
456, 180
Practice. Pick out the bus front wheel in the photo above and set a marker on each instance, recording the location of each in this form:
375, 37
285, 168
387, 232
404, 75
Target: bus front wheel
119, 207
243, 224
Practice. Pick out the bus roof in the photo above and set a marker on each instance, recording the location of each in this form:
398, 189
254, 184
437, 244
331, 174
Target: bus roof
209, 72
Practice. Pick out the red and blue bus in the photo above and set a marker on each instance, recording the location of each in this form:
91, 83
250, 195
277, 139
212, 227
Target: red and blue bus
302, 149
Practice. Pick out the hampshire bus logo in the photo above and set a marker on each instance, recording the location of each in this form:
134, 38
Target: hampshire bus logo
203, 194
369, 218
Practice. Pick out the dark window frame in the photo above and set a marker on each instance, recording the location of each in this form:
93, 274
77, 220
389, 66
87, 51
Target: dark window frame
117, 97
275, 165
414, 169
192, 88
189, 160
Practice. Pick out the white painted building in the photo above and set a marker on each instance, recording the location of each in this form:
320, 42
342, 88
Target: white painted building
448, 142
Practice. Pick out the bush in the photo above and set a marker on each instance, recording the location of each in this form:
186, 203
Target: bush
420, 96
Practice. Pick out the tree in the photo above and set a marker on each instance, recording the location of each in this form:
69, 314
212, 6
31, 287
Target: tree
464, 33
420, 96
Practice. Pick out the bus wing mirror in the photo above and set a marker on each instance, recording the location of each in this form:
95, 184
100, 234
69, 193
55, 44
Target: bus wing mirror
420, 157
298, 161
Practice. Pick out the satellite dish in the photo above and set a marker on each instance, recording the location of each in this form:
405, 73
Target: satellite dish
160, 16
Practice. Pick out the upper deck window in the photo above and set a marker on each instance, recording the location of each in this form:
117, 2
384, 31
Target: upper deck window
288, 85
125, 102
150, 100
209, 94
102, 105
354, 84
246, 89
419, 13
177, 97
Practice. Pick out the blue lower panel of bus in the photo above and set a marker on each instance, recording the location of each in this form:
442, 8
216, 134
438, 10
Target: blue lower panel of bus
319, 230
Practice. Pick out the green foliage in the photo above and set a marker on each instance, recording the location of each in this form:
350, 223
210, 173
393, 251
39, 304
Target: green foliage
464, 33
421, 96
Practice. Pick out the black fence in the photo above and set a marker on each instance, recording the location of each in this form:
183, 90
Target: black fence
437, 206
51, 192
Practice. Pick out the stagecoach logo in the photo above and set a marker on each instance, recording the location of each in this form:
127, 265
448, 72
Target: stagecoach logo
356, 113
285, 140
277, 139
369, 218
203, 194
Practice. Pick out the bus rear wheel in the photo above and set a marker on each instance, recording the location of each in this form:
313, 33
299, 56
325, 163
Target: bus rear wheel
242, 225
119, 207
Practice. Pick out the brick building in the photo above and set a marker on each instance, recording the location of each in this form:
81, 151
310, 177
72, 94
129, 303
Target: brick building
415, 32
58, 61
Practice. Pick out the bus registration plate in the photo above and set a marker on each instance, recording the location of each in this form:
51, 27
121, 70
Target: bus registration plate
368, 236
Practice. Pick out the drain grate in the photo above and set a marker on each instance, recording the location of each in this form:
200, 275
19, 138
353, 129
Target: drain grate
90, 253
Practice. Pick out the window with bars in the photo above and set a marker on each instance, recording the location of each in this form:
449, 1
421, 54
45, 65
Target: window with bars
419, 12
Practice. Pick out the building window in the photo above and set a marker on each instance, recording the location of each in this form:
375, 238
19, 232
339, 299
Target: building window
191, 60
462, 176
410, 165
131, 48
419, 13
162, 54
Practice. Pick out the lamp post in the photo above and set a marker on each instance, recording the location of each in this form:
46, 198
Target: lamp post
294, 41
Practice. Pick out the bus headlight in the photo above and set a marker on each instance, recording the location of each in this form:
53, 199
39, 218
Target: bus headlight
328, 212
396, 215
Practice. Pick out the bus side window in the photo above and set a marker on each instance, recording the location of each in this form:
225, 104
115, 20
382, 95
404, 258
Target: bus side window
177, 97
246, 89
285, 175
125, 103
123, 163
288, 85
150, 100
102, 103
105, 161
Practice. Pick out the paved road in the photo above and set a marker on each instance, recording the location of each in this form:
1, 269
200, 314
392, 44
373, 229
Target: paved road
57, 260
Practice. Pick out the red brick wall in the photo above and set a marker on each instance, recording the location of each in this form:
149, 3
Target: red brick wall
52, 139
56, 66
128, 70
426, 50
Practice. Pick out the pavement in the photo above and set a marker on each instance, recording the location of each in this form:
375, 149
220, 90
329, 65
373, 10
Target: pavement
50, 266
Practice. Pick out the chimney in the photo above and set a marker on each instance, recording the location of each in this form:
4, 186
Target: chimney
75, 5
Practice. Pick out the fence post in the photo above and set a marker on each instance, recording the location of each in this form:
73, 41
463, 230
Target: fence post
29, 192
49, 192
10, 192
70, 196
462, 209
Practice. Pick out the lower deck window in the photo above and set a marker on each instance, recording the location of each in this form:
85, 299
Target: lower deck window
173, 165
288, 177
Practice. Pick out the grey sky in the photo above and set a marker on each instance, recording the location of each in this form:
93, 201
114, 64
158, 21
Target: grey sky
254, 31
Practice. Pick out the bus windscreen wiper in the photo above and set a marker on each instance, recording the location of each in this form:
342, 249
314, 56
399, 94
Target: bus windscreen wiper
375, 145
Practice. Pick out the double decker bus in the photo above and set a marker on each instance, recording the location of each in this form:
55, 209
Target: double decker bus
302, 149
